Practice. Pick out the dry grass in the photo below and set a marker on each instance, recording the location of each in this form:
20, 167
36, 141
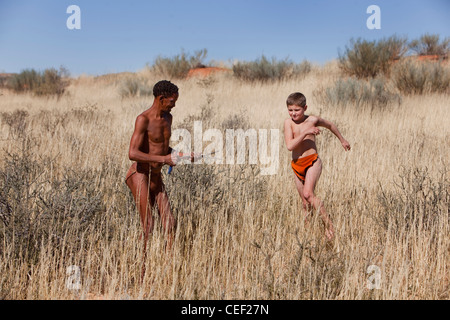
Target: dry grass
240, 235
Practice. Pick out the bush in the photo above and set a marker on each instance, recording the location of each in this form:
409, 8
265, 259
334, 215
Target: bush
27, 80
178, 66
133, 87
417, 200
46, 83
264, 70
35, 208
429, 44
17, 122
367, 59
421, 77
372, 93
4, 79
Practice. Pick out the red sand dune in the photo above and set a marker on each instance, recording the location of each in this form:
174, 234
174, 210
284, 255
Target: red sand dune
434, 57
205, 72
424, 58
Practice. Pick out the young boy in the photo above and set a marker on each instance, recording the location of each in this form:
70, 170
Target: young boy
300, 132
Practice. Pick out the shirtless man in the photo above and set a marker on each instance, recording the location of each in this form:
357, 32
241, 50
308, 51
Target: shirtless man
149, 149
299, 133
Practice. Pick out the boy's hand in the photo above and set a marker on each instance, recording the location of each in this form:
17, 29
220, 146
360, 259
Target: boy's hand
313, 130
345, 144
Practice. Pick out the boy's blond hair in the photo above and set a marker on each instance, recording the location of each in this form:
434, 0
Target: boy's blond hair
296, 99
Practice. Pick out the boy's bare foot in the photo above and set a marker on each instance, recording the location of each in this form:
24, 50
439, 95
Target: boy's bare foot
329, 234
307, 219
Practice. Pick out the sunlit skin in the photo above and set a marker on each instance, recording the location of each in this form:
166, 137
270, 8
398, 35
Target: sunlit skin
300, 132
149, 149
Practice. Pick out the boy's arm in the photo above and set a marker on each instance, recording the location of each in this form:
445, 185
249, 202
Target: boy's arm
291, 142
137, 139
332, 127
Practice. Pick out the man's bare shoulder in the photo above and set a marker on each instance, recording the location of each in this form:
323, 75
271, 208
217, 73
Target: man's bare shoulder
142, 120
143, 117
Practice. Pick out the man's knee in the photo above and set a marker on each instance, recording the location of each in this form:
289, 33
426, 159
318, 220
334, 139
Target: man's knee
174, 225
170, 224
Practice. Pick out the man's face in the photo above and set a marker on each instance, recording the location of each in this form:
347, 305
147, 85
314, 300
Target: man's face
168, 103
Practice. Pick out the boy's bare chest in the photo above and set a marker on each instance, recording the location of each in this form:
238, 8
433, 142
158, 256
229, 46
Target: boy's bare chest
300, 128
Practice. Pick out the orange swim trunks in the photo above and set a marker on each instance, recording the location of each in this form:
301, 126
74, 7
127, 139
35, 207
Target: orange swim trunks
301, 165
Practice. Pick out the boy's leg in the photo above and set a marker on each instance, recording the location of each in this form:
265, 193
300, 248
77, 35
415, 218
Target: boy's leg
312, 176
306, 205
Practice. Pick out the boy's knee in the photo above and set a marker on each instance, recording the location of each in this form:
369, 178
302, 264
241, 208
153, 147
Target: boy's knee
309, 196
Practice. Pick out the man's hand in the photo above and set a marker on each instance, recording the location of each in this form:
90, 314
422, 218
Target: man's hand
345, 144
172, 159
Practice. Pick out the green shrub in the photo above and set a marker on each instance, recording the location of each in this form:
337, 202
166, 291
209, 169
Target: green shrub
27, 80
264, 69
429, 44
178, 66
359, 92
46, 83
421, 77
367, 59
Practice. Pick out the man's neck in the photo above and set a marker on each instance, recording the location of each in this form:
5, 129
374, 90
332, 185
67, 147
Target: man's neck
156, 110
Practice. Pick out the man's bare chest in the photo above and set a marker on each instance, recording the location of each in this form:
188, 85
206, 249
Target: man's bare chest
159, 131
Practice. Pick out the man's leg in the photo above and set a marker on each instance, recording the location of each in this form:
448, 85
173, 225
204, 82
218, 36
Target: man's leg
312, 176
167, 218
139, 186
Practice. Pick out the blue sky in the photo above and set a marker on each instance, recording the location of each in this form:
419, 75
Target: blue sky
118, 36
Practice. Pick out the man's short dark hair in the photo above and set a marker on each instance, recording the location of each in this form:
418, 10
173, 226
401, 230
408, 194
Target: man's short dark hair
164, 88
296, 99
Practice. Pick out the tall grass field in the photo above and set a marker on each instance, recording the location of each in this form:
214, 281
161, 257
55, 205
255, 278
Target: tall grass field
69, 228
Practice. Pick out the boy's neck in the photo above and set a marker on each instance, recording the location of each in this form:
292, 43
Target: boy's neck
302, 120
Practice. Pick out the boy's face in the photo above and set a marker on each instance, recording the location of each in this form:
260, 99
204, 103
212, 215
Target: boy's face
296, 112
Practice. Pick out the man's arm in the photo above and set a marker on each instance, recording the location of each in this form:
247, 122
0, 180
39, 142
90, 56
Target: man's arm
291, 142
332, 127
137, 139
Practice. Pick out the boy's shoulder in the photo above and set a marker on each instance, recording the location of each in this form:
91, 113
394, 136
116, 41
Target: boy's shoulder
312, 118
289, 123
309, 118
